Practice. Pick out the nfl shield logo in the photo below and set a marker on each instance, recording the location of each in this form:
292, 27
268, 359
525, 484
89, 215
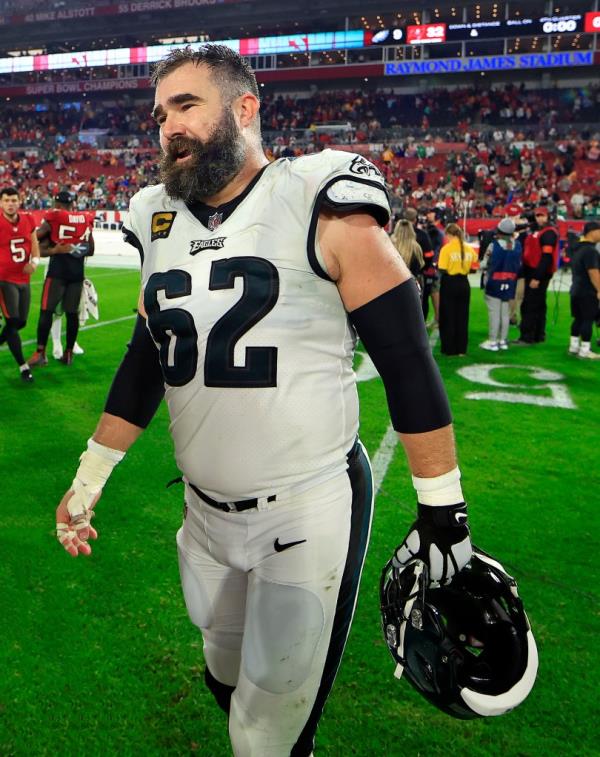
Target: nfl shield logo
214, 221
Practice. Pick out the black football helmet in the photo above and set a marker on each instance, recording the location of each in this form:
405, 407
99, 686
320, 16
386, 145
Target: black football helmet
467, 646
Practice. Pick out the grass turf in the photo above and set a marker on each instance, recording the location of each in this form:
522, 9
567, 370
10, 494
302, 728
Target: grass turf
98, 656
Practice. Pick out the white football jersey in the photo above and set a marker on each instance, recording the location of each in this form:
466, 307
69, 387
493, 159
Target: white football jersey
255, 345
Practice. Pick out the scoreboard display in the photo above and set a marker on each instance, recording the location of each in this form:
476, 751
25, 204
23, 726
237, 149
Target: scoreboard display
426, 34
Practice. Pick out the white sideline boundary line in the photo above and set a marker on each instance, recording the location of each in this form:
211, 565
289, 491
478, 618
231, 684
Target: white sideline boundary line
108, 323
95, 276
83, 328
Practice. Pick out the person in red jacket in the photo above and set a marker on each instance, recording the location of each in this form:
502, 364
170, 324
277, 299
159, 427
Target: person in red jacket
19, 257
66, 236
540, 261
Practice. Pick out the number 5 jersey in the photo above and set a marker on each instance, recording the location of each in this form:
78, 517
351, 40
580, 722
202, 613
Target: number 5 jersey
15, 247
254, 342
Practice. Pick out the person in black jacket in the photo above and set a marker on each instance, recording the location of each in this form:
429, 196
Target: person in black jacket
585, 291
540, 261
429, 272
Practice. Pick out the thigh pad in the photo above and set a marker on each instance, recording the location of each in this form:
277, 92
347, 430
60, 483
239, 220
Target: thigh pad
283, 630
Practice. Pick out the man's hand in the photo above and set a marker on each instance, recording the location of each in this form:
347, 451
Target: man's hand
73, 524
28, 269
439, 537
75, 511
61, 248
534, 283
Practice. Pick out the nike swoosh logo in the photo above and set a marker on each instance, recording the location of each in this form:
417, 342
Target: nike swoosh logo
460, 517
282, 547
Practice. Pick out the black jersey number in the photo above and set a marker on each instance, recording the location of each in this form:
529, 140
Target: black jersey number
261, 290
175, 331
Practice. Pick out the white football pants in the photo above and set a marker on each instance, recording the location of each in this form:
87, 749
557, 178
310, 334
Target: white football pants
275, 615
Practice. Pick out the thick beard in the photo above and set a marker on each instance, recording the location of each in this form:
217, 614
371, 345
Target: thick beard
212, 164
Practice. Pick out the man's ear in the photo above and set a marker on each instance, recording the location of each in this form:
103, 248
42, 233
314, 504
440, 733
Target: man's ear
246, 107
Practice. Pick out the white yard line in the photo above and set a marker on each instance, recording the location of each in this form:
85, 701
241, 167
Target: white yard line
98, 325
383, 457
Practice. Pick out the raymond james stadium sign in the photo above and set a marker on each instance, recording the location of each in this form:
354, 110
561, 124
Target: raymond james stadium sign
489, 63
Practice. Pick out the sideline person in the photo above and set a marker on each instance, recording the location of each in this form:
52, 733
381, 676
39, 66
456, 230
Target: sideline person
585, 291
457, 260
502, 269
540, 262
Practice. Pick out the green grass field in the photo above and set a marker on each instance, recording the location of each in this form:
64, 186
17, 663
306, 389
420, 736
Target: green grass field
98, 657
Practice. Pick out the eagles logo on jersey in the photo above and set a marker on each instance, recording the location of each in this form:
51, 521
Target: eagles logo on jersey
221, 314
197, 245
363, 167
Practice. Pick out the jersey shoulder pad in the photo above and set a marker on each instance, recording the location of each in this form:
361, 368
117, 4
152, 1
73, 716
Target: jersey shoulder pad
345, 180
142, 205
150, 216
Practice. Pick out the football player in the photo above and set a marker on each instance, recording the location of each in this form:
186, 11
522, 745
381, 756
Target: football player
19, 257
256, 279
66, 236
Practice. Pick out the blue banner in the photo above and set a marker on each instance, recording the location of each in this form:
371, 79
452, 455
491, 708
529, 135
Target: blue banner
489, 63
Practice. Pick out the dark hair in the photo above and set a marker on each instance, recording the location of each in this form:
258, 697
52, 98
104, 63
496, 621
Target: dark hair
8, 191
229, 71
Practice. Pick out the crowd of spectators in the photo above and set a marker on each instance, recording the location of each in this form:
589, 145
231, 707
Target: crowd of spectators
365, 113
99, 179
28, 124
494, 174
460, 108
470, 168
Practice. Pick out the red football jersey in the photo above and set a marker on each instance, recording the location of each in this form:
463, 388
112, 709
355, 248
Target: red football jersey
68, 226
15, 247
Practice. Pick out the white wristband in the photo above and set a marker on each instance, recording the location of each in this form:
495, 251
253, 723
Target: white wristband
113, 455
441, 490
34, 261
95, 466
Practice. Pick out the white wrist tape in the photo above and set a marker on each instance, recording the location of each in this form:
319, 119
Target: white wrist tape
34, 261
441, 490
95, 466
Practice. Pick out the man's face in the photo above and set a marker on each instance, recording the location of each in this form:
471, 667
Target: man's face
541, 218
594, 236
9, 204
203, 148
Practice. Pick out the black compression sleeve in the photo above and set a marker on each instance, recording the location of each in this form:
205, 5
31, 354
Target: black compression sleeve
393, 332
138, 386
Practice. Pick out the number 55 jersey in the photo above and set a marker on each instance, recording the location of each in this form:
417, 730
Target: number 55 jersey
255, 345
